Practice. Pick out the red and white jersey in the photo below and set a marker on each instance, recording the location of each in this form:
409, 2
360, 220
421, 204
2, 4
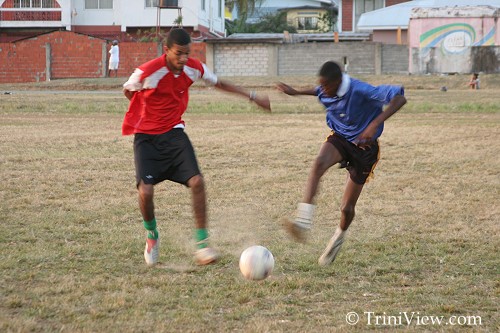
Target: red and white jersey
161, 97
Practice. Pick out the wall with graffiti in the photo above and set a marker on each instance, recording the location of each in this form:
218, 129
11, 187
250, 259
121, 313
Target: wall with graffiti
455, 44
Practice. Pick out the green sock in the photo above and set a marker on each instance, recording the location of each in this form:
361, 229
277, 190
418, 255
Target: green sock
201, 237
151, 228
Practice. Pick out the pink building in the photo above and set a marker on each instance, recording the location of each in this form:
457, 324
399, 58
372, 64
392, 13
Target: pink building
454, 40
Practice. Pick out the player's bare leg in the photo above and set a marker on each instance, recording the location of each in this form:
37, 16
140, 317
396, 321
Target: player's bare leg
204, 255
327, 157
146, 205
347, 212
349, 199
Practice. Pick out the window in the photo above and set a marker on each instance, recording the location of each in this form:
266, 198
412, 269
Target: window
202, 4
307, 20
221, 8
91, 4
98, 4
151, 3
307, 23
364, 6
35, 4
48, 3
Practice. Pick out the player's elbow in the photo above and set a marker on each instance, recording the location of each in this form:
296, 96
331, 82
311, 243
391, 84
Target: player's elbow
400, 100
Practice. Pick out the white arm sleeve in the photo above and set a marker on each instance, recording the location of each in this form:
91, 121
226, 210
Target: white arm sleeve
208, 76
134, 81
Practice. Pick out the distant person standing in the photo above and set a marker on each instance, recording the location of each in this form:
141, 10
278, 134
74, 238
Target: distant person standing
114, 58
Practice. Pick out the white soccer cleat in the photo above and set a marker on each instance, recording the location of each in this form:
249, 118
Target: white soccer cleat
206, 256
152, 251
332, 248
300, 227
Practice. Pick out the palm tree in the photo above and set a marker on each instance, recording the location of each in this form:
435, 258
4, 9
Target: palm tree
244, 8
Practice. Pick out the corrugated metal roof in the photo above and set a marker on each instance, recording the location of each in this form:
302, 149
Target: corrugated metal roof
468, 11
396, 16
291, 38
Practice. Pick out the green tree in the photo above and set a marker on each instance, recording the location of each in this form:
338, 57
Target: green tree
244, 8
329, 21
268, 23
273, 23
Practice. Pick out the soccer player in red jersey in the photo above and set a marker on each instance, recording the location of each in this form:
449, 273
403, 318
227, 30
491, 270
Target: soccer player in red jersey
158, 94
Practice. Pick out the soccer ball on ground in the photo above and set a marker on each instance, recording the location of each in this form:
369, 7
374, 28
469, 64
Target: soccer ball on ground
256, 263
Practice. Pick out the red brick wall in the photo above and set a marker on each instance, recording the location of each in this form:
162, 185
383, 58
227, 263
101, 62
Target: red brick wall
133, 54
347, 8
394, 2
73, 56
23, 62
199, 51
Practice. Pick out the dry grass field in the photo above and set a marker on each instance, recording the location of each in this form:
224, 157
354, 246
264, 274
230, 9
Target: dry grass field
421, 254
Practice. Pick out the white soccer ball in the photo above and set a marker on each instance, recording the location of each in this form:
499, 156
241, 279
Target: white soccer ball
256, 263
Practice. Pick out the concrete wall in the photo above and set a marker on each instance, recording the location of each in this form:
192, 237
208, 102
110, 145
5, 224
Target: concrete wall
307, 58
394, 59
65, 54
243, 59
261, 59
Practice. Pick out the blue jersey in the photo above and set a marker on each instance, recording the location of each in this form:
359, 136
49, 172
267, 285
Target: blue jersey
357, 103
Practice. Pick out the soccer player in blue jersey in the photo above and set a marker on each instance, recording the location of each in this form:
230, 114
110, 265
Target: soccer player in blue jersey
355, 112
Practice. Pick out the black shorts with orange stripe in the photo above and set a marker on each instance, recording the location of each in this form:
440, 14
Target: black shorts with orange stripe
360, 162
167, 156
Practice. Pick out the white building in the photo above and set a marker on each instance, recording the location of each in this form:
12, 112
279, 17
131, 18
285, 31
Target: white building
266, 7
109, 18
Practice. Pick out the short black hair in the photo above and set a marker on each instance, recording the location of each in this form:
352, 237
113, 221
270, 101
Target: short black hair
330, 71
178, 36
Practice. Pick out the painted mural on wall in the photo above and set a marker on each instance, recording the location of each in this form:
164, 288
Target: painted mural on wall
455, 38
454, 44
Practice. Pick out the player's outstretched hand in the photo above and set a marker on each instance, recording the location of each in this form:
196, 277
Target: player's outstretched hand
286, 88
264, 102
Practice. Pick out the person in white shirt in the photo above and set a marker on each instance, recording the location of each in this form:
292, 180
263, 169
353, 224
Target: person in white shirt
114, 58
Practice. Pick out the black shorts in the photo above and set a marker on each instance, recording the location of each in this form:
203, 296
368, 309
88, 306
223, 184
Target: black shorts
167, 156
360, 162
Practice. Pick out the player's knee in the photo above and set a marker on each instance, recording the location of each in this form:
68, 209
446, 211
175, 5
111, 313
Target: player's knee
196, 182
321, 164
347, 210
146, 191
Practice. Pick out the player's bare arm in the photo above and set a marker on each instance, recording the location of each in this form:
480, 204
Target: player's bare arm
283, 87
394, 105
261, 100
